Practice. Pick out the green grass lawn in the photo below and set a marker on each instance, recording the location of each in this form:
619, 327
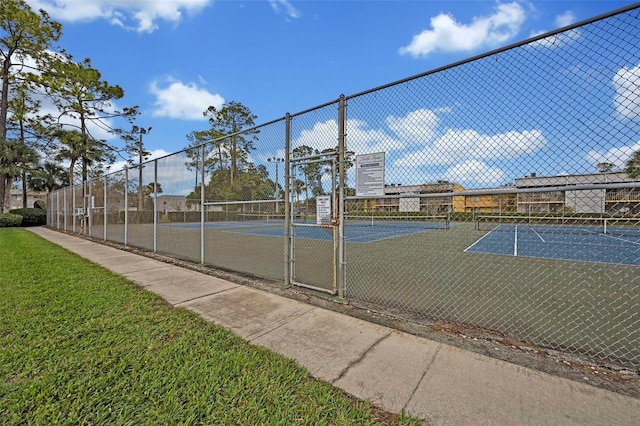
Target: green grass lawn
81, 345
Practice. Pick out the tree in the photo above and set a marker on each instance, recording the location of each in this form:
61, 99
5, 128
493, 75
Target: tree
14, 157
16, 161
26, 124
310, 171
23, 34
298, 187
209, 141
234, 121
78, 91
48, 177
28, 162
135, 146
633, 166
75, 147
605, 167
315, 171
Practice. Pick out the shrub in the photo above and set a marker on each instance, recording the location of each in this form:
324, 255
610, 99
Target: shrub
31, 217
10, 219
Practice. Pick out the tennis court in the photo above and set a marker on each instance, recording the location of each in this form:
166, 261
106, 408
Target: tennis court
357, 229
587, 240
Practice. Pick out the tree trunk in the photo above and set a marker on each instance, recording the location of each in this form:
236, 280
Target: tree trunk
7, 194
2, 190
24, 189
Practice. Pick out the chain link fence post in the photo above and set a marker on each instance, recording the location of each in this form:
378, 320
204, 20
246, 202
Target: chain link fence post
287, 201
341, 284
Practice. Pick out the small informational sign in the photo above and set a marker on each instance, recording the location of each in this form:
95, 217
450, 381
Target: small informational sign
409, 205
370, 175
323, 210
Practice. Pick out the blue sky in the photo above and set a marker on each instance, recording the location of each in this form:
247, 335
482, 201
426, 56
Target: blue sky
174, 58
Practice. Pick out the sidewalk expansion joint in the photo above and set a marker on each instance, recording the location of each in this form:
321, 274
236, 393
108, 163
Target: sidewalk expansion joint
289, 319
360, 358
426, 370
204, 295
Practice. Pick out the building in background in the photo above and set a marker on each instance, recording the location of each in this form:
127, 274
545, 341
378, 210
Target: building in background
34, 199
438, 204
544, 194
585, 200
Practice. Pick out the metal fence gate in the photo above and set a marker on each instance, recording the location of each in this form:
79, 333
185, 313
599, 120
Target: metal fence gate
314, 235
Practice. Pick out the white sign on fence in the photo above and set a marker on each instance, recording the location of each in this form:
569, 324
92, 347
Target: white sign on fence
323, 210
409, 205
370, 174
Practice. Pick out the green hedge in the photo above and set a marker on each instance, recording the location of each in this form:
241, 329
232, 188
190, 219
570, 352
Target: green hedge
31, 217
10, 219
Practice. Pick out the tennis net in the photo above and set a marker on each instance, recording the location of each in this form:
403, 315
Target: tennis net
399, 221
562, 225
261, 217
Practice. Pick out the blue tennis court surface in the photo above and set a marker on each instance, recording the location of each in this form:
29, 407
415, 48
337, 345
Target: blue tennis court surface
355, 232
562, 243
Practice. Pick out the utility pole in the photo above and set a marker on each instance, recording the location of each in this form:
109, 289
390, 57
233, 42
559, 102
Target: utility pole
141, 155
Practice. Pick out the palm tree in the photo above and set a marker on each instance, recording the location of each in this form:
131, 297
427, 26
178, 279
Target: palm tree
75, 147
15, 157
633, 166
29, 160
48, 177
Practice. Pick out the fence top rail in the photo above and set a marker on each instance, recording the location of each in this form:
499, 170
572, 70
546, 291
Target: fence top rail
227, 203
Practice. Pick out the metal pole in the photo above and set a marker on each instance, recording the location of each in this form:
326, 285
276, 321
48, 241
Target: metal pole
58, 207
126, 206
155, 206
104, 208
85, 209
73, 201
202, 153
140, 201
342, 166
336, 224
88, 212
287, 202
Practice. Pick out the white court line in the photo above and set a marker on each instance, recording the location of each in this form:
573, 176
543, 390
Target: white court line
485, 235
515, 242
539, 236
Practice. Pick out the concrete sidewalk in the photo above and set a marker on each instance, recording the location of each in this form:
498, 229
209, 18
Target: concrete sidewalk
442, 384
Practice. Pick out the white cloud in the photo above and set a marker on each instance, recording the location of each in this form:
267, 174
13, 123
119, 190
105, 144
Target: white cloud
564, 19
558, 40
120, 165
173, 177
618, 156
475, 171
627, 85
448, 35
456, 146
289, 10
184, 101
360, 138
418, 126
138, 15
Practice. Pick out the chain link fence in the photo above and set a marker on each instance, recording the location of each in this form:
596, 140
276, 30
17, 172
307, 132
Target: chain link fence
500, 193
